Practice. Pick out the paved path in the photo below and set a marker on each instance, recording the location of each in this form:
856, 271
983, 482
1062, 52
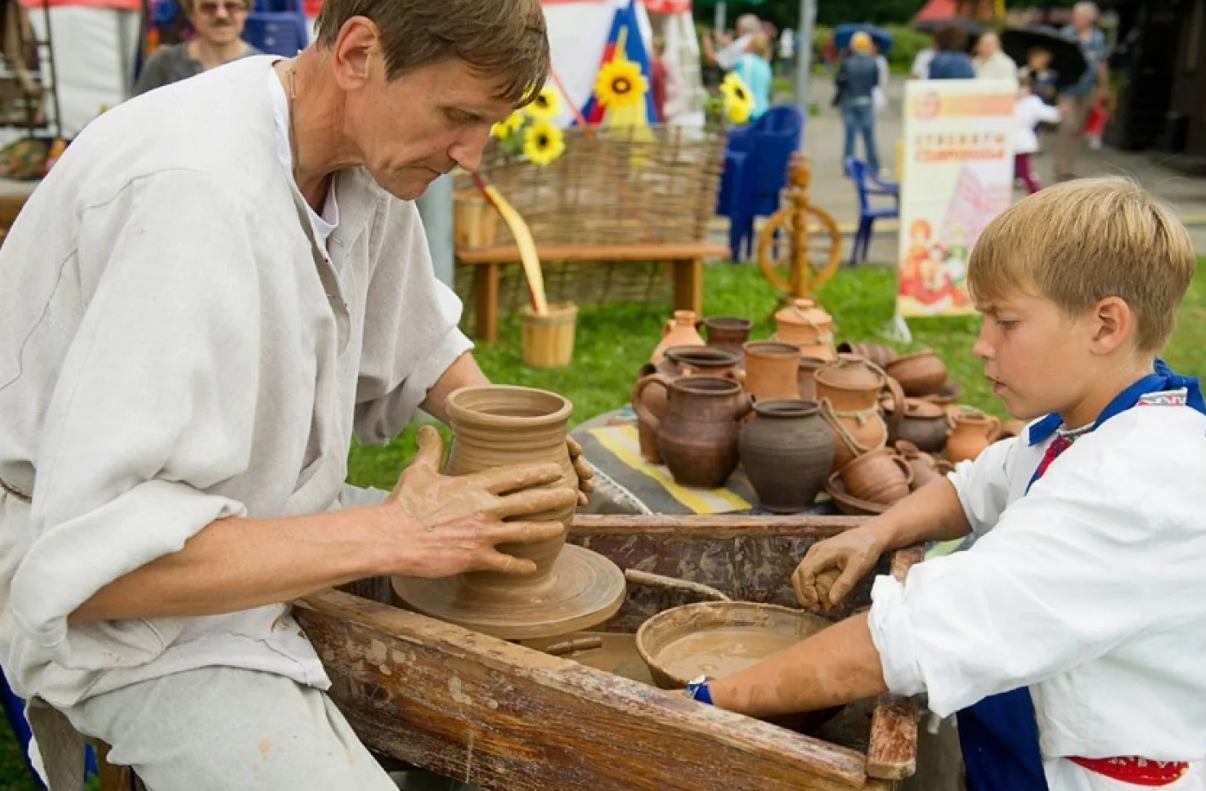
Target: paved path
823, 141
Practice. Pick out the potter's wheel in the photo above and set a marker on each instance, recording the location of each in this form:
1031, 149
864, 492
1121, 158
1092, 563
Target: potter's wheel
583, 589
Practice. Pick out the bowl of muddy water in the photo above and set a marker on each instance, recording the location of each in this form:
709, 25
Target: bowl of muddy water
720, 639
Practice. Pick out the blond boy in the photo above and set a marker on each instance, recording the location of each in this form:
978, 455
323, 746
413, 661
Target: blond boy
1070, 636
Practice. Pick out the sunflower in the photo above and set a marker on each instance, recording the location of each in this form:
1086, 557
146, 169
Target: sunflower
738, 103
547, 104
509, 125
543, 143
620, 84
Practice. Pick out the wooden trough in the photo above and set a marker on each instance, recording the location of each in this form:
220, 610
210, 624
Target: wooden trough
508, 717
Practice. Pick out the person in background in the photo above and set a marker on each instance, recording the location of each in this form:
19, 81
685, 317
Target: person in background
951, 62
219, 27
657, 77
754, 69
787, 49
879, 96
1076, 100
856, 80
920, 70
1043, 79
991, 63
1029, 111
731, 51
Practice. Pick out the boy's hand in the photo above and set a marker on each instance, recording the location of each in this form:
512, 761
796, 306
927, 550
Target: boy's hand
830, 569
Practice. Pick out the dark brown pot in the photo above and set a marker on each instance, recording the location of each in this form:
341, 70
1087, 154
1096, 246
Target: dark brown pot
728, 332
924, 424
678, 361
787, 451
880, 476
698, 437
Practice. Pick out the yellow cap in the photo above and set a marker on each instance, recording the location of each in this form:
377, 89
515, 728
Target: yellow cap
860, 41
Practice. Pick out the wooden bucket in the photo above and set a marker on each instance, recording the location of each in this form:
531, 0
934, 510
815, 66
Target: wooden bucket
474, 220
548, 341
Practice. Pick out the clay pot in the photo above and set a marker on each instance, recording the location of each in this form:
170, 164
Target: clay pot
698, 437
679, 361
880, 476
771, 370
923, 424
679, 331
920, 374
849, 504
877, 353
806, 325
496, 425
728, 332
787, 452
925, 467
850, 383
947, 394
971, 432
804, 377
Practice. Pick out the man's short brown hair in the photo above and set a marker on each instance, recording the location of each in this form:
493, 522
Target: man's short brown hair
1081, 241
503, 38
951, 38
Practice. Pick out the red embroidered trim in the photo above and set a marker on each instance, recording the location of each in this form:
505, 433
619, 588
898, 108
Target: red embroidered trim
1135, 770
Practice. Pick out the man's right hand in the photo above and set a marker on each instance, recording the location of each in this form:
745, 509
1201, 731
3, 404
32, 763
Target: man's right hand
452, 524
831, 568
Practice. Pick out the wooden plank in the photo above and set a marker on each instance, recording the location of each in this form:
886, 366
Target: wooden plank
648, 251
505, 717
485, 291
688, 285
714, 525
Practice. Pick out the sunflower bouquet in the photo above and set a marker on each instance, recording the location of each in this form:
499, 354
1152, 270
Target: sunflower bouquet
735, 102
530, 131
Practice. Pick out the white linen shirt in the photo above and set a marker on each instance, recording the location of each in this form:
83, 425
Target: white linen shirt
1027, 114
1089, 590
175, 348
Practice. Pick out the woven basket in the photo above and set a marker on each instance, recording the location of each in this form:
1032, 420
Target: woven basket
611, 186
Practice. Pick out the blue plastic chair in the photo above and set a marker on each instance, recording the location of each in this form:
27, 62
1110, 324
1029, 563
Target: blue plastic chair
277, 27
755, 172
868, 184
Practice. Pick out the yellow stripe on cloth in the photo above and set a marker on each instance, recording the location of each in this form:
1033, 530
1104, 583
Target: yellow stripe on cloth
622, 442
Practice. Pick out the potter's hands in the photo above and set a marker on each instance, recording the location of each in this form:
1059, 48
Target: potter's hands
831, 568
452, 524
582, 468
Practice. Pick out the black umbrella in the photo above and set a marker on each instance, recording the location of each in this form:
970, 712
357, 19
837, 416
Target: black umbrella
1066, 59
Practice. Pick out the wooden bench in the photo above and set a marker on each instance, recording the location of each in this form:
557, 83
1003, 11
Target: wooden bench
686, 259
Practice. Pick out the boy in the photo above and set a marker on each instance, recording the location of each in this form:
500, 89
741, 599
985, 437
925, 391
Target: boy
1070, 636
1042, 77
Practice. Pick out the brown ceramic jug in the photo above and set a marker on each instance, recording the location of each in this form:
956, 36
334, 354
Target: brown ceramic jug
805, 325
698, 437
925, 467
679, 361
848, 390
787, 452
488, 424
920, 374
771, 370
879, 476
804, 377
678, 331
728, 332
971, 432
923, 424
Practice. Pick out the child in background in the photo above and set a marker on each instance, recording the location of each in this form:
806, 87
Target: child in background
755, 71
1028, 112
657, 78
1043, 79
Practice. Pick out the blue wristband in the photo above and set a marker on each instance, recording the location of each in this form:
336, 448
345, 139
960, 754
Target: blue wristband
698, 690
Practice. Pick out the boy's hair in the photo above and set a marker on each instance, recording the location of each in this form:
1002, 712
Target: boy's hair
1025, 80
1081, 241
1036, 52
506, 39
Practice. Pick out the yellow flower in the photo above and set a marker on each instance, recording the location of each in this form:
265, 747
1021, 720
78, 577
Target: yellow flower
509, 125
738, 103
620, 84
547, 104
543, 143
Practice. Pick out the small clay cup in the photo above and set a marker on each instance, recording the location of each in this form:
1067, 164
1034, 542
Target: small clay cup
727, 331
880, 476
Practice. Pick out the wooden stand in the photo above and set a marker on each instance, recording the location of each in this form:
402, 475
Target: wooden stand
548, 341
789, 229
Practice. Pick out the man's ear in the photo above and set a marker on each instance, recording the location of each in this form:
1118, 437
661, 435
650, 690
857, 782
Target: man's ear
354, 45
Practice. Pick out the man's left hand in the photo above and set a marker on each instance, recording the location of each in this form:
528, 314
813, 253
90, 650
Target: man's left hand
582, 468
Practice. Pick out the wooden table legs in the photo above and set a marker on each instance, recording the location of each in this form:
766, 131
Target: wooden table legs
688, 285
485, 291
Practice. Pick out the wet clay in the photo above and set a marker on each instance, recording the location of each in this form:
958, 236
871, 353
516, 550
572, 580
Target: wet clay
611, 652
722, 652
572, 588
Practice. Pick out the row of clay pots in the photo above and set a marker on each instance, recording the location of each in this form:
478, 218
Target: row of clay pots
803, 324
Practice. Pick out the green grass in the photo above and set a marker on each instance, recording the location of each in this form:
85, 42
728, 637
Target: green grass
615, 340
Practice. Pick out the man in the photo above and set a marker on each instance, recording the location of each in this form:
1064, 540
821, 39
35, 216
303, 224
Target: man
1076, 100
748, 25
990, 62
856, 81
219, 27
216, 286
